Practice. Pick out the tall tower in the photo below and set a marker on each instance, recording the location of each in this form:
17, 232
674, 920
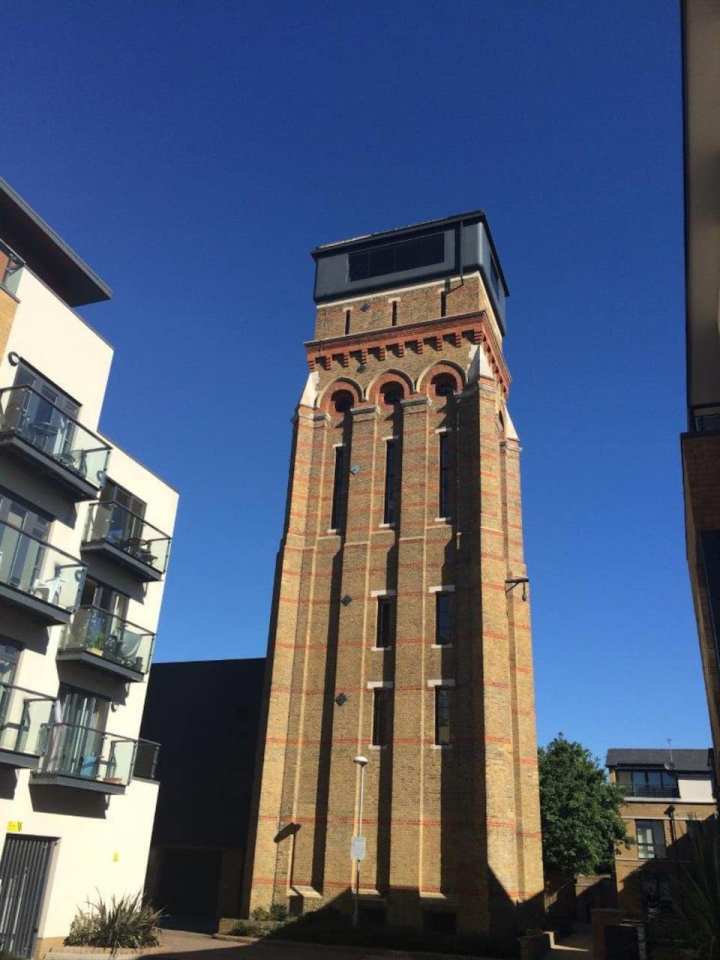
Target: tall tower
400, 628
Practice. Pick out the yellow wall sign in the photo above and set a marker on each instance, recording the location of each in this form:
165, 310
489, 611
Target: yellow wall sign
14, 826
116, 857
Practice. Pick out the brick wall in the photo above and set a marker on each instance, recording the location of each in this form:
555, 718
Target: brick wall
451, 828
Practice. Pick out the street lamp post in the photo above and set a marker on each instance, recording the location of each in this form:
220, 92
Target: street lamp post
358, 853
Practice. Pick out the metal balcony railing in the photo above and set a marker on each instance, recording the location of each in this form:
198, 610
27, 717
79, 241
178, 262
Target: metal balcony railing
100, 633
38, 570
26, 413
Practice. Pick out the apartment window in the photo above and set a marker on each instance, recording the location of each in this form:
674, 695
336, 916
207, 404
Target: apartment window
381, 716
650, 839
338, 488
385, 634
25, 376
648, 783
391, 481
442, 716
444, 504
444, 618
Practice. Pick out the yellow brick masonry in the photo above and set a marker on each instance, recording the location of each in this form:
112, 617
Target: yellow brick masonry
452, 827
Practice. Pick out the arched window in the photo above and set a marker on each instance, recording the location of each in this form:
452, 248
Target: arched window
392, 393
342, 401
444, 385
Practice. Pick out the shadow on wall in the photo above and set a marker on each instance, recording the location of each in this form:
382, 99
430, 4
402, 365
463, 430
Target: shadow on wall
430, 925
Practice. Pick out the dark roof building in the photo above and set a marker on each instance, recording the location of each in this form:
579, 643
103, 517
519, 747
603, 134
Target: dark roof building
687, 761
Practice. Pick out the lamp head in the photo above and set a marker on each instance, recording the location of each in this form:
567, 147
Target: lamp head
360, 761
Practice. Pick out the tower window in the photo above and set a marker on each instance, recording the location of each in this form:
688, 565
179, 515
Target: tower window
444, 385
396, 257
338, 489
342, 401
347, 322
443, 303
391, 481
444, 499
385, 634
391, 393
381, 716
394, 313
442, 716
444, 619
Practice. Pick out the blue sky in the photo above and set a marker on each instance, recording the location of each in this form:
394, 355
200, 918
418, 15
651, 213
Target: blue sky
194, 152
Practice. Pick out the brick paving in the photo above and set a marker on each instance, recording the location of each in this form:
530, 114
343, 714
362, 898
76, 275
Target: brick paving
198, 945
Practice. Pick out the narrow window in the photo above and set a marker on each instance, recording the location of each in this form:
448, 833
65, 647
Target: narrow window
391, 480
394, 315
443, 303
385, 636
381, 716
442, 716
650, 839
347, 322
338, 487
444, 618
444, 505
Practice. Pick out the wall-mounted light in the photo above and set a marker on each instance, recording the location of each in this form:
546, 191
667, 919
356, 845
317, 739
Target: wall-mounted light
516, 581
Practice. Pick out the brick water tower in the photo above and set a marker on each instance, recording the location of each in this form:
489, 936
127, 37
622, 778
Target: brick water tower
400, 628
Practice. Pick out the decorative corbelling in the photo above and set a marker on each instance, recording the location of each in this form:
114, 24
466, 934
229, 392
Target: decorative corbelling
475, 326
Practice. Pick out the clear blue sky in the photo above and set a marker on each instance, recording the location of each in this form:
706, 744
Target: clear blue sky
193, 152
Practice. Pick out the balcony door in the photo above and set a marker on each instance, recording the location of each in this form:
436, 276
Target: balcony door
20, 557
44, 412
78, 749
126, 513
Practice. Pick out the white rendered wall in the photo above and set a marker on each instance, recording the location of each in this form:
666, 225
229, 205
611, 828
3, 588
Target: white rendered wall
695, 787
103, 842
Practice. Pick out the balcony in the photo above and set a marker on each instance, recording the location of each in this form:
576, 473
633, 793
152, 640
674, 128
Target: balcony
36, 431
650, 792
102, 640
24, 718
121, 535
37, 578
86, 759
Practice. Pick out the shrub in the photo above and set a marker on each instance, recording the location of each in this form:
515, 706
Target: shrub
278, 911
127, 922
260, 913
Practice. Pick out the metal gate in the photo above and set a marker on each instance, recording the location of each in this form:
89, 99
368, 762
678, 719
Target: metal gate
23, 873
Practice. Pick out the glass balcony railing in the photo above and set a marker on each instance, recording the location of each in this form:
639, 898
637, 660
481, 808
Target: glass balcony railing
38, 570
121, 528
87, 754
26, 413
24, 718
146, 758
98, 632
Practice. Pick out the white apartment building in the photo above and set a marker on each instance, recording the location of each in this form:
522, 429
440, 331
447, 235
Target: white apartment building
85, 534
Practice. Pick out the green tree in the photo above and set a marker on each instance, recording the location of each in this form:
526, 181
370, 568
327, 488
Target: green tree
579, 809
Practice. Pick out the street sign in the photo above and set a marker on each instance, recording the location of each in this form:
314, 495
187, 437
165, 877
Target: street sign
357, 848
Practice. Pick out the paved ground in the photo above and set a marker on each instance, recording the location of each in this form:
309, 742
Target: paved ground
201, 946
